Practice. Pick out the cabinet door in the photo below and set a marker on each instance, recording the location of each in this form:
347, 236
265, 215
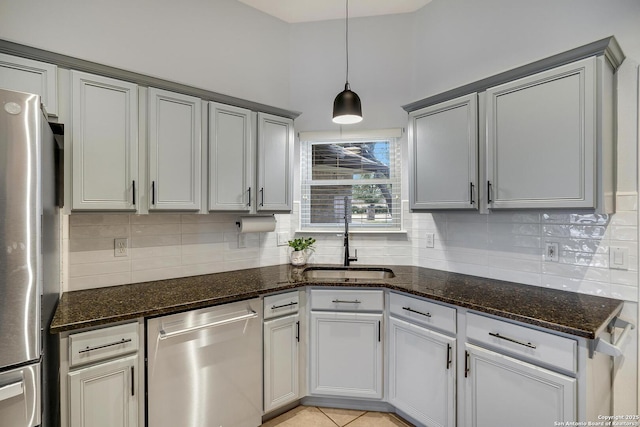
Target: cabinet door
346, 354
501, 390
104, 395
541, 139
174, 151
26, 75
105, 143
281, 368
231, 159
422, 373
443, 150
275, 155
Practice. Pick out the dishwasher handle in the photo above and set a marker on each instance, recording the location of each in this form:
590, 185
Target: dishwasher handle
250, 315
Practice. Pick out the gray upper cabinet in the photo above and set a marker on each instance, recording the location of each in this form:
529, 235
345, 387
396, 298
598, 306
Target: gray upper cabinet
26, 75
174, 150
443, 155
231, 159
542, 136
550, 139
105, 142
250, 167
275, 156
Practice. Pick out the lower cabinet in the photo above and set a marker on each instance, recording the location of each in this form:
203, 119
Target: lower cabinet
104, 395
346, 354
422, 373
281, 367
101, 383
501, 390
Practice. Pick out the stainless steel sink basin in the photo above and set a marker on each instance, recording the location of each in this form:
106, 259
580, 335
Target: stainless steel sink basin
344, 273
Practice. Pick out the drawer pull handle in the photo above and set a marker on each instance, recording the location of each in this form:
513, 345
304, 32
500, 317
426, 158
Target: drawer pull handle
122, 341
417, 312
526, 344
284, 305
339, 301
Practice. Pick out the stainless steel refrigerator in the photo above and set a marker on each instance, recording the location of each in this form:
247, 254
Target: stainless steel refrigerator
29, 263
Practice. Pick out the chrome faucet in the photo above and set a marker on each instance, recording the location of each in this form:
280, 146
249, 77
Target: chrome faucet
347, 258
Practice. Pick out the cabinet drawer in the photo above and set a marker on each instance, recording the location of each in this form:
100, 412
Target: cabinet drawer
522, 341
100, 344
346, 300
423, 312
281, 304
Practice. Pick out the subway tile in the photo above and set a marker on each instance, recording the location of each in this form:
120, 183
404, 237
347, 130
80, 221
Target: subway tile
92, 256
155, 263
624, 233
150, 241
627, 202
585, 259
625, 218
156, 274
627, 293
77, 219
514, 229
522, 265
582, 245
91, 244
527, 278
155, 229
517, 217
506, 241
624, 277
155, 251
99, 281
576, 271
99, 268
155, 218
93, 231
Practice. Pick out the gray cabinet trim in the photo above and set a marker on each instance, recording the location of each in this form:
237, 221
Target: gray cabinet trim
608, 47
70, 62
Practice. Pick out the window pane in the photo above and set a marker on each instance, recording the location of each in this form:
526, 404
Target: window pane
350, 160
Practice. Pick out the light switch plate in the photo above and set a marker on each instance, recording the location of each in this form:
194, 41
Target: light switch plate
618, 258
283, 238
430, 240
551, 252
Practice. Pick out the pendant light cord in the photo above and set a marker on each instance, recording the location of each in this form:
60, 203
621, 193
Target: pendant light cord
347, 40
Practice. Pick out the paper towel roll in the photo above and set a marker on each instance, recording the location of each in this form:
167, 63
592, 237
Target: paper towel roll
256, 224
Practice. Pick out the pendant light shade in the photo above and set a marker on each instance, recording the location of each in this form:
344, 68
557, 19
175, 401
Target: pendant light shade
347, 108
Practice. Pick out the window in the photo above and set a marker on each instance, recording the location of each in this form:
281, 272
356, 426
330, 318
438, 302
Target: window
359, 176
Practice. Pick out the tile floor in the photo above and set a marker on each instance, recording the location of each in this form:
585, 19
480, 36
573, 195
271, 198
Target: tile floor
310, 416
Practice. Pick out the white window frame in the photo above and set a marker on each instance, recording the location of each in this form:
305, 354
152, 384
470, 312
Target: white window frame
308, 140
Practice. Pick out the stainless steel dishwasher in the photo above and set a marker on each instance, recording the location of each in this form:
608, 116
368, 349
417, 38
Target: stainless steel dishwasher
204, 367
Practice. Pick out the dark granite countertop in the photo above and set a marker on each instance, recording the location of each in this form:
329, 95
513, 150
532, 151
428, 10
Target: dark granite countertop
573, 313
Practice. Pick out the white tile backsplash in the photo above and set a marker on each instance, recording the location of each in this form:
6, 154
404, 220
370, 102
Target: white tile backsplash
501, 245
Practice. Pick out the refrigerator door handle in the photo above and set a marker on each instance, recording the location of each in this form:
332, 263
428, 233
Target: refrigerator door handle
11, 390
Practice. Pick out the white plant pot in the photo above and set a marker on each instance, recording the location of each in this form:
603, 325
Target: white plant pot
298, 257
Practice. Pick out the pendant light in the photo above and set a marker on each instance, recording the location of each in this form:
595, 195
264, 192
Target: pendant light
346, 107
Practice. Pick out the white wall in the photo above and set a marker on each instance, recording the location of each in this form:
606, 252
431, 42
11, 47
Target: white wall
218, 45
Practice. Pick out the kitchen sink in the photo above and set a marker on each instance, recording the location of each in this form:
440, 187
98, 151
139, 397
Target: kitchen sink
348, 273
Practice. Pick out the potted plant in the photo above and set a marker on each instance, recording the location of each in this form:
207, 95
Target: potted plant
301, 248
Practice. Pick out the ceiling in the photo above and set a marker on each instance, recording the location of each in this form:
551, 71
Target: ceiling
321, 10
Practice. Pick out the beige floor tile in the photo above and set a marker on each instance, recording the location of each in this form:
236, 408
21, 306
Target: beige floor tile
342, 417
302, 416
376, 419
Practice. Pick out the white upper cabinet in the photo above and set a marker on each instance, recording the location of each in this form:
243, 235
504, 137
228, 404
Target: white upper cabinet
543, 136
26, 75
231, 159
174, 151
105, 142
275, 156
250, 166
443, 155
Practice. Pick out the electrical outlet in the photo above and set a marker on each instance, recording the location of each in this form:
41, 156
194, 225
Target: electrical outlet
283, 238
430, 240
551, 252
121, 247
